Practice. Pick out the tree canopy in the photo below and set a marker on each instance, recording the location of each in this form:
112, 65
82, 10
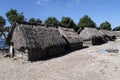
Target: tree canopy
39, 21
6, 28
67, 22
2, 24
13, 15
51, 22
86, 21
116, 28
105, 26
33, 20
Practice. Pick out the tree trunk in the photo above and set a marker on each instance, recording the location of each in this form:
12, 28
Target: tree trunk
3, 35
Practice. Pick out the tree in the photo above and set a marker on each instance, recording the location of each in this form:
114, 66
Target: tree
38, 21
67, 22
2, 24
116, 28
6, 28
105, 26
13, 15
51, 22
86, 21
33, 20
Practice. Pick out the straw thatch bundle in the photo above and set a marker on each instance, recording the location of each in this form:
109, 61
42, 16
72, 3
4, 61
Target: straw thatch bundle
34, 41
71, 37
116, 33
91, 36
108, 34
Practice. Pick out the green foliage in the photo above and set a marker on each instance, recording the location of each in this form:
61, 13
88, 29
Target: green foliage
105, 26
67, 22
33, 20
76, 28
51, 22
2, 22
116, 28
13, 15
38, 21
86, 21
6, 28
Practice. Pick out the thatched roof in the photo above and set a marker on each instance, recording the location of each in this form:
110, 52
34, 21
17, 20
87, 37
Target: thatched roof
34, 36
71, 36
88, 33
116, 33
20, 23
106, 33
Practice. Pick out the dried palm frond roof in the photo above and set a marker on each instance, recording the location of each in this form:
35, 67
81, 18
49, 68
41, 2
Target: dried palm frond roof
20, 23
36, 36
71, 36
116, 33
88, 33
42, 37
106, 33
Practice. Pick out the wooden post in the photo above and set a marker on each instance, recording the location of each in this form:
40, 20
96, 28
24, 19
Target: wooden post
11, 50
26, 55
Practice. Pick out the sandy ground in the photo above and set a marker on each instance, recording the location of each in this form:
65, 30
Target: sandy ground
85, 64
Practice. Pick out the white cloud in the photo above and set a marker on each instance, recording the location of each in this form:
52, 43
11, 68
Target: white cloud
73, 3
42, 2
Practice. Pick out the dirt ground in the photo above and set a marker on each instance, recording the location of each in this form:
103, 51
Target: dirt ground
84, 64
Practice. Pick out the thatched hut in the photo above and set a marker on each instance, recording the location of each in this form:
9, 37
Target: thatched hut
91, 36
32, 41
116, 33
71, 37
108, 35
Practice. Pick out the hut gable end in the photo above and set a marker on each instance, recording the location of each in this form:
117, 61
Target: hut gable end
88, 33
91, 36
71, 37
18, 38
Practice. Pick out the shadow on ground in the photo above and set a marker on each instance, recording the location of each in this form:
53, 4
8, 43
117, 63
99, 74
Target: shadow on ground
59, 55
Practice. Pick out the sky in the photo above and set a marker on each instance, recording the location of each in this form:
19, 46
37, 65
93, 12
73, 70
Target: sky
99, 10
